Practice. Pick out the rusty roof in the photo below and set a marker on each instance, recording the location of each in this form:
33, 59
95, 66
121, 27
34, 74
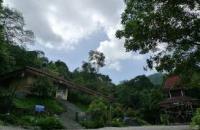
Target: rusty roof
172, 82
59, 80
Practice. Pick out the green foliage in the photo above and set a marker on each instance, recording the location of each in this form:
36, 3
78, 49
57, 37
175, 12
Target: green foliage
157, 78
117, 122
196, 119
142, 96
44, 122
14, 27
1, 123
117, 111
9, 119
6, 99
97, 59
44, 88
98, 111
164, 118
173, 24
29, 103
90, 124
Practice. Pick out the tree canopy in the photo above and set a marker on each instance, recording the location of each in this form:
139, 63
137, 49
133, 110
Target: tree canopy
172, 25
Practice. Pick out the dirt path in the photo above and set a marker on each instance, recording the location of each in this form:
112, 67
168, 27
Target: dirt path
68, 118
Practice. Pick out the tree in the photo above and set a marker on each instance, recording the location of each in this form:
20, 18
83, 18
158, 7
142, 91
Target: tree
87, 67
1, 27
14, 27
97, 59
44, 88
63, 69
98, 110
6, 59
173, 25
142, 96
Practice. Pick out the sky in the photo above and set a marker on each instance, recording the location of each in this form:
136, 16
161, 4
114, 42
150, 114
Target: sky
68, 29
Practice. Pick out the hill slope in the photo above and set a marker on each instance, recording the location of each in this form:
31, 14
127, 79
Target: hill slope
156, 79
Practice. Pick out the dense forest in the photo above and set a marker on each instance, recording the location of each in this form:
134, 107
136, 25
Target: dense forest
137, 98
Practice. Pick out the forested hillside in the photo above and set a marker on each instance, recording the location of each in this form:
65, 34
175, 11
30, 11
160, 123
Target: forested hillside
157, 78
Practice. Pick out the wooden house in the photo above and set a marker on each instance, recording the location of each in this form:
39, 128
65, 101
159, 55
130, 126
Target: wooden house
177, 106
21, 82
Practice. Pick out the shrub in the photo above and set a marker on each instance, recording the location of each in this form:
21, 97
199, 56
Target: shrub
88, 124
164, 118
117, 122
9, 119
6, 99
49, 123
98, 112
196, 119
1, 123
44, 122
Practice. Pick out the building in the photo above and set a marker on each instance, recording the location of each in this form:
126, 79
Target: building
21, 82
177, 106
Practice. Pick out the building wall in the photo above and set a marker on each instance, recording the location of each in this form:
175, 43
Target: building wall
23, 87
62, 93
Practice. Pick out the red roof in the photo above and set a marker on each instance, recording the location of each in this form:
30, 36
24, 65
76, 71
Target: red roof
172, 82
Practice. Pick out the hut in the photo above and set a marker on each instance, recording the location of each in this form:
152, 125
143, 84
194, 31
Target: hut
177, 106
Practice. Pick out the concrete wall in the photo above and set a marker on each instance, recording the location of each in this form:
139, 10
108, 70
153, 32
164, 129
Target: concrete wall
62, 93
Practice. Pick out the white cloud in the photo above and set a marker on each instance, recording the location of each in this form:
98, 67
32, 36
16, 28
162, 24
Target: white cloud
61, 24
114, 50
66, 22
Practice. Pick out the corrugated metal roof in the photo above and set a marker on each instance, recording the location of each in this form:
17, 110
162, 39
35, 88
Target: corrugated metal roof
172, 82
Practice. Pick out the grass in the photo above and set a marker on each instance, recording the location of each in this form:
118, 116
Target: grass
45, 122
51, 105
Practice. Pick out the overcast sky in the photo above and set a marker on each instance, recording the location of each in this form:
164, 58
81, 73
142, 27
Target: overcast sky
69, 29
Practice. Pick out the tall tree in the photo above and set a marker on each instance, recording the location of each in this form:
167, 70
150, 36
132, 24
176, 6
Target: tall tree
173, 25
97, 59
14, 27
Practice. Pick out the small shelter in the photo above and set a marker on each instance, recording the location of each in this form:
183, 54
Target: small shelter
21, 80
177, 106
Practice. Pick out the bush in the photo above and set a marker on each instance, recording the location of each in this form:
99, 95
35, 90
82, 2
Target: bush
164, 118
88, 124
9, 119
44, 122
117, 122
49, 123
196, 119
6, 99
1, 123
98, 112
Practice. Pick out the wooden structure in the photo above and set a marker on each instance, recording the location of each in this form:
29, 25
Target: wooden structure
177, 106
28, 73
